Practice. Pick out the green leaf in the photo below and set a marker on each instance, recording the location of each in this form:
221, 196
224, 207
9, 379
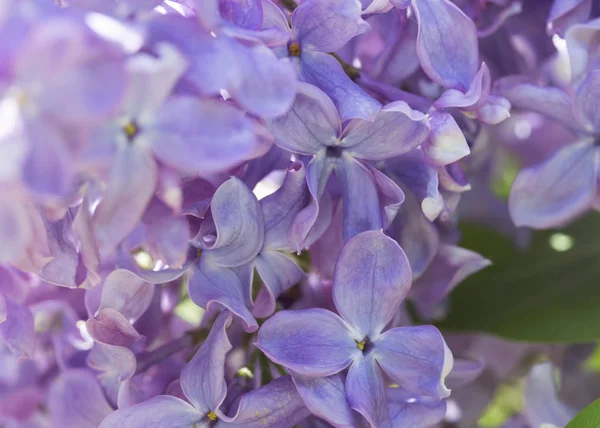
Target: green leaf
588, 417
549, 292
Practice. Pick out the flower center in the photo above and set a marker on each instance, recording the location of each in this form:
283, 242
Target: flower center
334, 151
130, 129
212, 416
294, 49
364, 345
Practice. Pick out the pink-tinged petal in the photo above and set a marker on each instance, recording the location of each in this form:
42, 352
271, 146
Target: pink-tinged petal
112, 328
449, 268
326, 398
116, 364
239, 224
312, 342
365, 388
203, 378
551, 102
406, 410
269, 86
565, 13
159, 411
543, 405
62, 269
449, 57
88, 251
130, 187
312, 122
327, 25
3, 309
47, 170
210, 284
582, 45
360, 195
324, 71
201, 136
556, 191
587, 101
19, 405
372, 277
126, 293
17, 330
76, 400
474, 97
279, 273
276, 403
446, 143
395, 130
30, 249
417, 358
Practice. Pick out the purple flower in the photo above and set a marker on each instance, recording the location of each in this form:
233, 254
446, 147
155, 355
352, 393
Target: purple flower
372, 277
313, 127
204, 387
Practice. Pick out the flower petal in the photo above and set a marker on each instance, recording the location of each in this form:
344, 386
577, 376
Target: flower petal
417, 358
76, 400
311, 123
365, 388
395, 130
372, 277
415, 412
112, 328
556, 191
327, 25
124, 292
313, 342
361, 200
209, 283
159, 411
447, 143
276, 402
17, 330
326, 398
450, 267
565, 13
279, 273
201, 136
582, 46
203, 378
130, 187
542, 403
587, 101
239, 225
324, 71
449, 57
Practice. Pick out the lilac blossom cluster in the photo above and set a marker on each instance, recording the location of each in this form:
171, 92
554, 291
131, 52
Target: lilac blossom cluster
245, 213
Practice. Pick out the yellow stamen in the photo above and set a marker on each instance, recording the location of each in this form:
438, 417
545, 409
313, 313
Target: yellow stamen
199, 252
130, 129
212, 416
294, 49
361, 344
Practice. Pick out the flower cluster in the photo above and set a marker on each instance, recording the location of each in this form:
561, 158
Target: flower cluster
245, 213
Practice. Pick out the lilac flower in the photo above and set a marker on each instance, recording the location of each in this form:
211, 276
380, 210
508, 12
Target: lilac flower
317, 28
563, 186
203, 384
372, 278
313, 127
